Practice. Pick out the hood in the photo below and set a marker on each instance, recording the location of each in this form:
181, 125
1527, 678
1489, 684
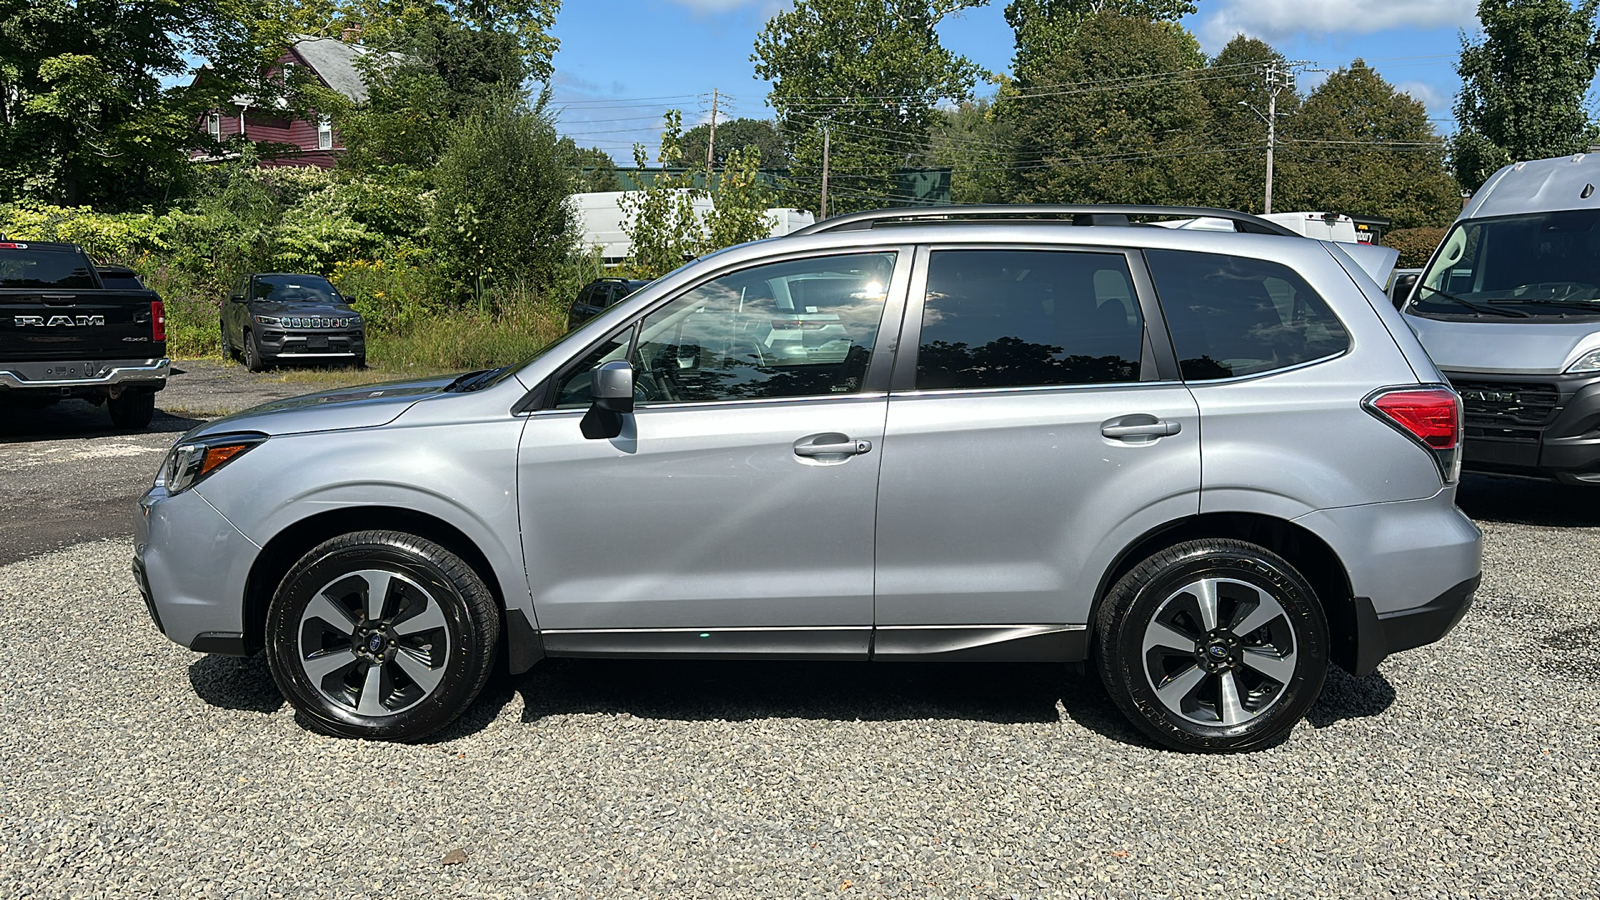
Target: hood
280, 308
366, 406
1513, 347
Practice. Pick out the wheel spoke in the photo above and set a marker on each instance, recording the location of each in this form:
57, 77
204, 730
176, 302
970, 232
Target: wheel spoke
1159, 634
331, 614
1180, 686
377, 593
1205, 595
1229, 708
426, 678
1266, 610
321, 665
430, 619
1278, 668
373, 689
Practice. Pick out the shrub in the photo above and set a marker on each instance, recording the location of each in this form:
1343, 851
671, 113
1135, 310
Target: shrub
1415, 245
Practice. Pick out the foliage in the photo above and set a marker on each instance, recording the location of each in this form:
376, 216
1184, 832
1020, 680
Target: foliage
1415, 244
739, 201
871, 71
1043, 26
1358, 145
1523, 86
499, 208
973, 141
1235, 87
732, 135
1142, 142
593, 169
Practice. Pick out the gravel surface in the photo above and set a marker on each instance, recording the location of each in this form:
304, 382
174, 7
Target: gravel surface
135, 768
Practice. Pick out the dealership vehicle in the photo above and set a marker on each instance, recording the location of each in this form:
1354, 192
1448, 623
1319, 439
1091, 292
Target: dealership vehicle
66, 332
597, 296
1509, 309
277, 317
931, 434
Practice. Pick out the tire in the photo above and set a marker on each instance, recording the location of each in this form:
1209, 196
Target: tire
399, 675
133, 410
1231, 633
228, 352
252, 353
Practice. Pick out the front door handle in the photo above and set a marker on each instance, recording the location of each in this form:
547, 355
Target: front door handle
830, 444
1139, 427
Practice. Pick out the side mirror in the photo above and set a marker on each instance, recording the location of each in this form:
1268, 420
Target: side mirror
611, 395
237, 298
1402, 287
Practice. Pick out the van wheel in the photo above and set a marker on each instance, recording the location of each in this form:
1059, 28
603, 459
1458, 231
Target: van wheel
381, 635
133, 410
1213, 645
252, 353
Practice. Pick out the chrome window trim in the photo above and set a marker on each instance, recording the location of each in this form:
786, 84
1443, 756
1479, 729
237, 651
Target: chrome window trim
874, 397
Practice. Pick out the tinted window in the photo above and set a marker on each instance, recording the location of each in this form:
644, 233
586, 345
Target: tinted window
115, 280
44, 269
294, 289
1233, 316
1012, 318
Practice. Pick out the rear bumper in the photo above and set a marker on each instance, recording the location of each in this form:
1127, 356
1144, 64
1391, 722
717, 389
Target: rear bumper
99, 373
1379, 635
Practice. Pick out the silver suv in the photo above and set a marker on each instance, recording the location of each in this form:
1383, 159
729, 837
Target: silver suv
1210, 463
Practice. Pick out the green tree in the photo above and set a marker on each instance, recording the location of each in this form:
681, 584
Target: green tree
1523, 86
734, 135
87, 119
1043, 26
974, 143
593, 169
1236, 89
871, 72
1115, 115
499, 212
1359, 146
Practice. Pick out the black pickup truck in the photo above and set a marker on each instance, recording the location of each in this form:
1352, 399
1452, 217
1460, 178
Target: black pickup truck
65, 333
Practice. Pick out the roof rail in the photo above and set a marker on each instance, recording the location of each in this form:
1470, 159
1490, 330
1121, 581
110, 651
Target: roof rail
1094, 214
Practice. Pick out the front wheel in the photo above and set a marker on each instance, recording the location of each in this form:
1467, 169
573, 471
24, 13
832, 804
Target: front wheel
381, 635
1213, 645
252, 353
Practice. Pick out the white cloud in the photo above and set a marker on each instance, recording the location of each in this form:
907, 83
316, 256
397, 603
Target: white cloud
715, 6
1276, 20
1432, 97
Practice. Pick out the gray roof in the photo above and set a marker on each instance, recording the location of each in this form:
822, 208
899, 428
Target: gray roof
1538, 185
334, 61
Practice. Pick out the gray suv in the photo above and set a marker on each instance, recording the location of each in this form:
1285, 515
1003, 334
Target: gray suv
1209, 463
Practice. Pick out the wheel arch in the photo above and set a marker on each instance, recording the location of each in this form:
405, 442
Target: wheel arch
1303, 548
519, 643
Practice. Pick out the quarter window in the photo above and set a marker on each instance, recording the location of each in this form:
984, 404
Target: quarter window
1233, 316
1017, 318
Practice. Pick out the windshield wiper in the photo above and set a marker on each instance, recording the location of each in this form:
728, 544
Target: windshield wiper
1476, 306
1588, 306
463, 381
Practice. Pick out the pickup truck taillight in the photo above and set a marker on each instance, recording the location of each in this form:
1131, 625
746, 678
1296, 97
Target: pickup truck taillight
158, 321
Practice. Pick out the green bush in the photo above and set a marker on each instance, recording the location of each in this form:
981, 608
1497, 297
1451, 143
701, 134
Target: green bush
1415, 245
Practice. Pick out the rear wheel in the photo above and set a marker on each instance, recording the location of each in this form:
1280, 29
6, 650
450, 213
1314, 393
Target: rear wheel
381, 635
133, 409
1213, 645
227, 345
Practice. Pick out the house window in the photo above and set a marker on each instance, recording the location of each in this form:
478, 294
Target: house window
214, 125
324, 133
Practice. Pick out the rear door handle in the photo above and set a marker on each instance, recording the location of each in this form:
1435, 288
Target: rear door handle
1150, 428
830, 444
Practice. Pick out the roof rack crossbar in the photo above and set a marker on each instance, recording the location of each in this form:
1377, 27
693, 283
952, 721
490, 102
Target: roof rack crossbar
1091, 214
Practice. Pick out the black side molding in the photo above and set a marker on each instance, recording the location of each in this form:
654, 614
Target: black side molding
1371, 637
222, 643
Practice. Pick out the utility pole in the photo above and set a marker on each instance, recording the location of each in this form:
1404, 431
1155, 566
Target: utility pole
1277, 80
711, 142
824, 171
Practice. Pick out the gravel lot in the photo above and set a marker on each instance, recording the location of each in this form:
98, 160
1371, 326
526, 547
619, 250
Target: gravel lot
1465, 769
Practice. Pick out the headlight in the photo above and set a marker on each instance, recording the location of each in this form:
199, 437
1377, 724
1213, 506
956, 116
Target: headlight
267, 320
1589, 362
190, 462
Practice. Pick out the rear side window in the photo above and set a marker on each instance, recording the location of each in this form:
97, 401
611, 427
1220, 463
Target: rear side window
1028, 318
44, 269
1233, 316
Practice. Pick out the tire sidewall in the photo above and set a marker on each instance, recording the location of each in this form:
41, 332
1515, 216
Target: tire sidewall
1124, 667
252, 353
463, 672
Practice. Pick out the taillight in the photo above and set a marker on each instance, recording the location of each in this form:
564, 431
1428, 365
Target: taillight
158, 321
1429, 414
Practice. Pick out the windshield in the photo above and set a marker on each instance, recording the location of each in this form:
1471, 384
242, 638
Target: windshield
294, 289
1518, 267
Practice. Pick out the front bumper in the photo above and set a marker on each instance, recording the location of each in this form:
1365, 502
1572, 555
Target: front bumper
191, 566
1544, 426
312, 343
70, 376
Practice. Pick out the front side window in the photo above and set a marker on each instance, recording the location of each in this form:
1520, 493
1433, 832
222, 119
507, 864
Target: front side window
788, 329
1233, 316
1023, 318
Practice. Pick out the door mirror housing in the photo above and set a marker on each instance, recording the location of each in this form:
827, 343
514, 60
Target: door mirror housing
237, 298
611, 396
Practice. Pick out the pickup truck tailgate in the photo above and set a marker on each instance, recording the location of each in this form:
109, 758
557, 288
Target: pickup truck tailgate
67, 325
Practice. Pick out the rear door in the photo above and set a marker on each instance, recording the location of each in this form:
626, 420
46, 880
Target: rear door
1035, 431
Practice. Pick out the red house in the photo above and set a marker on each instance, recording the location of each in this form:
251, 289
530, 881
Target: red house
296, 142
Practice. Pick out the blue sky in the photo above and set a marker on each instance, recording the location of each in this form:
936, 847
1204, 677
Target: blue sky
622, 64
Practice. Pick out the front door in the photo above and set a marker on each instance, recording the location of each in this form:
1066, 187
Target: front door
1032, 437
735, 513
